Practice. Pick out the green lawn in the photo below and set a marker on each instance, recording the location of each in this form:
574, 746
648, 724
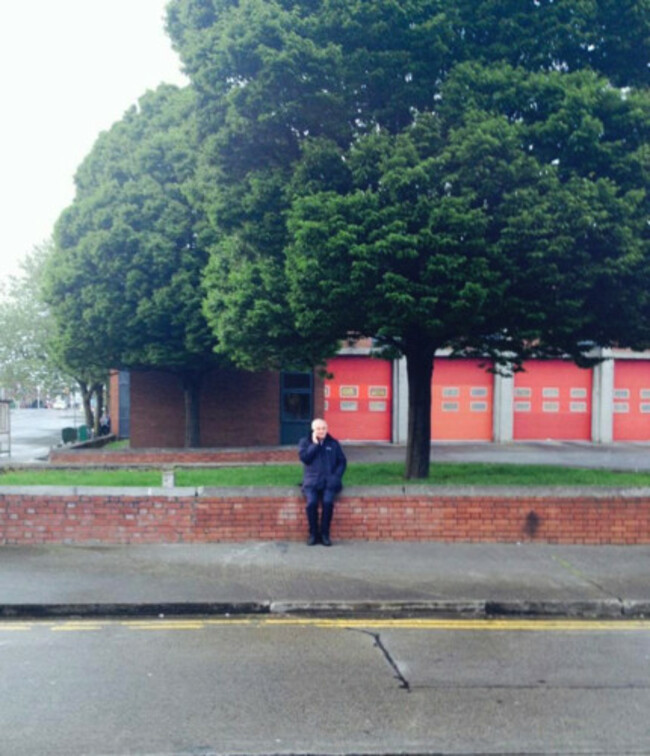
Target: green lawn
380, 474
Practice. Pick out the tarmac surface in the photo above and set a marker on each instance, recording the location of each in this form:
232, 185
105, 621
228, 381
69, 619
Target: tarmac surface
351, 578
614, 456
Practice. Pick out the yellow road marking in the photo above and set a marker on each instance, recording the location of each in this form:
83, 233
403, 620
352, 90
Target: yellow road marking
468, 625
447, 624
77, 626
162, 624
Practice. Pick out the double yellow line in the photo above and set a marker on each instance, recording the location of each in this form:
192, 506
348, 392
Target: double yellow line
467, 625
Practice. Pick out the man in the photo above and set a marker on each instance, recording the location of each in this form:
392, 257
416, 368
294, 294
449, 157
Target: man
323, 466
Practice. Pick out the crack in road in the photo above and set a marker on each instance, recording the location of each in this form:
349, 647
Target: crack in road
522, 686
404, 683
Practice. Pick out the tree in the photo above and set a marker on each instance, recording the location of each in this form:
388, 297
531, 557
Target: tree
27, 369
124, 282
29, 363
425, 172
466, 230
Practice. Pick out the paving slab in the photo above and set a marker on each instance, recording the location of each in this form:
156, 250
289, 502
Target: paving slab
362, 577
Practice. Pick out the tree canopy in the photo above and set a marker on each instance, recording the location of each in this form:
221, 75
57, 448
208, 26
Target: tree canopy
466, 231
430, 173
124, 282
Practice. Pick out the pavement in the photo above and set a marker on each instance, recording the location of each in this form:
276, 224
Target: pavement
370, 579
620, 455
352, 578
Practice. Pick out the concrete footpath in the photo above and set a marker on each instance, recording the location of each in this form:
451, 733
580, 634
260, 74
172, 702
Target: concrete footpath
348, 579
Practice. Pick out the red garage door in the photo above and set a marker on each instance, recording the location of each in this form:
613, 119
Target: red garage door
461, 401
552, 400
632, 400
358, 398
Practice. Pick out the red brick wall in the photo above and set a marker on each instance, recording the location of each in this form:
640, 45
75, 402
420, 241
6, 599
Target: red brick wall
240, 409
610, 518
157, 410
237, 409
89, 457
114, 401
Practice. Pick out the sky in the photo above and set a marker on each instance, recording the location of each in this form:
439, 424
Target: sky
69, 69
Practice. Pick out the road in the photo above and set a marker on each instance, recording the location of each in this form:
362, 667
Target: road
35, 431
289, 686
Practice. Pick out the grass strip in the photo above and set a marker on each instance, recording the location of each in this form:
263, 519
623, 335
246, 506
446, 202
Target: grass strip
367, 474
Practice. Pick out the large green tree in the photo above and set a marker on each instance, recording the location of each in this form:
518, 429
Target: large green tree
482, 227
426, 172
124, 282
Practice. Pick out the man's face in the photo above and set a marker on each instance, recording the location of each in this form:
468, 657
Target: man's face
320, 430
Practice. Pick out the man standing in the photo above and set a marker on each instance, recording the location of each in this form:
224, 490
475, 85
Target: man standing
323, 466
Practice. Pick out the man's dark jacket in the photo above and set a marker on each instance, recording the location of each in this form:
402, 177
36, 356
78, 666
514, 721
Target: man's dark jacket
323, 464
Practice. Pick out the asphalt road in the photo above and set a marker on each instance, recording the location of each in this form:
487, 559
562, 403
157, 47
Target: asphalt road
253, 686
35, 431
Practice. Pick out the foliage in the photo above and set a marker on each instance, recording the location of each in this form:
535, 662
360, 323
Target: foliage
124, 280
30, 362
27, 367
430, 173
487, 225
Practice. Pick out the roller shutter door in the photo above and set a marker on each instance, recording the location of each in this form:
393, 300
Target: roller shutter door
461, 401
632, 400
358, 399
552, 400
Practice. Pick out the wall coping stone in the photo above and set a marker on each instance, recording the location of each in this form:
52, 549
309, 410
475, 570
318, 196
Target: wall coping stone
375, 492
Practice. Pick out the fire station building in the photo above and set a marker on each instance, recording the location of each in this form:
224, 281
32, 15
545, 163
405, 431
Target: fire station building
365, 399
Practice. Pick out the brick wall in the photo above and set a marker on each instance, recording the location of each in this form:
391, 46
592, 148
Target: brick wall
157, 410
237, 409
185, 516
240, 409
88, 457
114, 401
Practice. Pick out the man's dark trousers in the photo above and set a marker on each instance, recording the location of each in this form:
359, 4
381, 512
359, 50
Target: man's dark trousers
327, 496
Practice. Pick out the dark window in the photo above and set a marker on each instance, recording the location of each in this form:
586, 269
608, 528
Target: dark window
296, 406
297, 381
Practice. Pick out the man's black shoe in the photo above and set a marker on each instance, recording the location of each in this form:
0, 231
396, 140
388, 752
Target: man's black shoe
325, 540
312, 540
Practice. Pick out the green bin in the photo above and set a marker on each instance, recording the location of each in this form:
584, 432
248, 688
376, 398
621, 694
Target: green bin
69, 435
83, 433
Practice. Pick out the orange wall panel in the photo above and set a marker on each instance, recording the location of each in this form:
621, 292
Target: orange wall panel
461, 401
358, 398
552, 400
632, 400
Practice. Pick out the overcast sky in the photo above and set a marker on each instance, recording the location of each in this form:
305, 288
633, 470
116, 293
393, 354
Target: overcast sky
68, 70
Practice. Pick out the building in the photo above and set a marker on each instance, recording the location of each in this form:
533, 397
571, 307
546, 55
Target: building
366, 399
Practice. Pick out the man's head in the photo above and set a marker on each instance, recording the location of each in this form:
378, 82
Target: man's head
319, 428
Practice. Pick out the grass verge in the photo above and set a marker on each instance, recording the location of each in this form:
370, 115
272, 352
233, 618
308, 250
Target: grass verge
379, 474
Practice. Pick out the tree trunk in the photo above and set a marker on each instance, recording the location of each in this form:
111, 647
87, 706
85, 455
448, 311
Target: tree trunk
419, 369
86, 395
98, 388
192, 396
